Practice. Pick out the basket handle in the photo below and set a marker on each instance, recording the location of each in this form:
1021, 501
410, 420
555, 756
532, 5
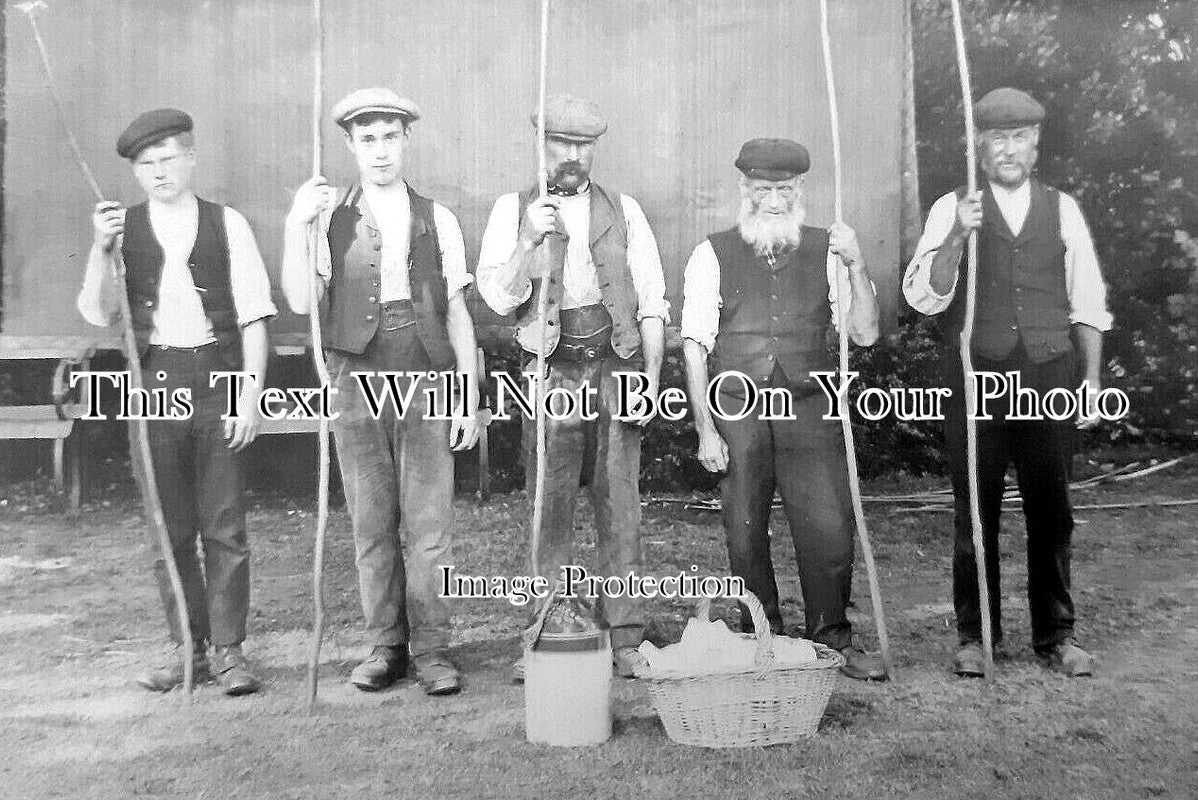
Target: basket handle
764, 657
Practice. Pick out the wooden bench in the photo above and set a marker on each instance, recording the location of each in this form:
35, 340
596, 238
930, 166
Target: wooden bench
56, 420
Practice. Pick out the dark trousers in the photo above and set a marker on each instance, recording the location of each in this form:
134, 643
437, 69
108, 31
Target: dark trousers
804, 460
200, 485
1041, 452
397, 474
606, 455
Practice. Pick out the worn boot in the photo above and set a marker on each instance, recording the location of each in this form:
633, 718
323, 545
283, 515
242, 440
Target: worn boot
627, 660
1066, 657
167, 676
436, 674
384, 666
969, 661
862, 666
233, 672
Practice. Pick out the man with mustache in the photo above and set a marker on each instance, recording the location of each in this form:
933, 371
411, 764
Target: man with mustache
391, 266
1039, 289
758, 299
607, 313
200, 299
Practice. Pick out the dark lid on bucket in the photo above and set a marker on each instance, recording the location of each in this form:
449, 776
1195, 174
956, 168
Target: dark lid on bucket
568, 624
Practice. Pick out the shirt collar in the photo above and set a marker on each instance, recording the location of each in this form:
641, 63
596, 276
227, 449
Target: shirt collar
579, 192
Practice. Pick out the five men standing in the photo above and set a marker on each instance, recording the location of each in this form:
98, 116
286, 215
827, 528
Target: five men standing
759, 298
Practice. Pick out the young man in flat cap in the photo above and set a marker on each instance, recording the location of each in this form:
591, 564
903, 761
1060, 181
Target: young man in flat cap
1041, 311
758, 301
392, 267
200, 299
607, 313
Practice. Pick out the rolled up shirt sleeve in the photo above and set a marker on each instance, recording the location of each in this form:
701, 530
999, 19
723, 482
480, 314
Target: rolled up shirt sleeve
839, 282
644, 262
453, 250
1083, 276
247, 272
701, 297
499, 243
917, 286
96, 283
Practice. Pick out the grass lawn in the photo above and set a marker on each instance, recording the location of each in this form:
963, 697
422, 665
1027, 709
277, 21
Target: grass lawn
79, 616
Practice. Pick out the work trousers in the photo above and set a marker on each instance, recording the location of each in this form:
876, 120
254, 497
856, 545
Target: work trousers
397, 473
804, 460
200, 485
1041, 452
605, 454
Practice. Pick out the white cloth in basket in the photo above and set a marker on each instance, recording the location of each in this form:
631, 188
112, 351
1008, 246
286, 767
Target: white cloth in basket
708, 647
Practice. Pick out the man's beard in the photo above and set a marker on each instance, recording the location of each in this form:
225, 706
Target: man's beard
769, 234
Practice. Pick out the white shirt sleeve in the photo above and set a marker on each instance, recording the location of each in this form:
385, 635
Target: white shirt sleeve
1083, 276
701, 297
453, 250
917, 287
95, 284
838, 283
498, 244
644, 262
324, 259
247, 272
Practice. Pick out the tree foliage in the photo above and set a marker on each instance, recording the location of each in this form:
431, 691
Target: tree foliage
1119, 81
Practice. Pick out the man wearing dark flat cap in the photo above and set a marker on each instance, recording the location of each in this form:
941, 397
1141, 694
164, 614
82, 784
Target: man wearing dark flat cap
1041, 312
200, 299
758, 300
391, 265
607, 313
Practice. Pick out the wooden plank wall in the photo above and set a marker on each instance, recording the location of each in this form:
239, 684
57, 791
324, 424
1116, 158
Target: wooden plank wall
683, 82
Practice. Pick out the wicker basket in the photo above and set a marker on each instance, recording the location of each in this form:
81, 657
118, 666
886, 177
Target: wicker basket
762, 705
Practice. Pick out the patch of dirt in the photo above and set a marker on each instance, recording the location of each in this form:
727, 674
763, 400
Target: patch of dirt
81, 616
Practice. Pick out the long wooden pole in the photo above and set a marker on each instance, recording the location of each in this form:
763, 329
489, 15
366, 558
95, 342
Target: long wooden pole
966, 343
139, 440
322, 370
538, 501
842, 307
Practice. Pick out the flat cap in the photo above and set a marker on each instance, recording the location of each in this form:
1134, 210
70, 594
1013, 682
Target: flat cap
375, 100
773, 159
149, 128
572, 118
1007, 108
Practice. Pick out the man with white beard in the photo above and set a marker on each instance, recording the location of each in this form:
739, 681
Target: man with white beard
758, 301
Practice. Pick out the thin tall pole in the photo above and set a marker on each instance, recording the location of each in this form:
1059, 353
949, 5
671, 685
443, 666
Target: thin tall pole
971, 290
538, 502
139, 439
842, 308
322, 370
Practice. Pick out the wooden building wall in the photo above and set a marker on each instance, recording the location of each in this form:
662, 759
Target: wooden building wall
683, 82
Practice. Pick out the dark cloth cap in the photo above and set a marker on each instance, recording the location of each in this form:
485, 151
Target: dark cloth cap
773, 159
572, 118
1006, 108
151, 127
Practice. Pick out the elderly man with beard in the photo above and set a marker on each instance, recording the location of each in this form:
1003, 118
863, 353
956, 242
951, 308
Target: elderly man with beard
1039, 288
607, 313
758, 301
